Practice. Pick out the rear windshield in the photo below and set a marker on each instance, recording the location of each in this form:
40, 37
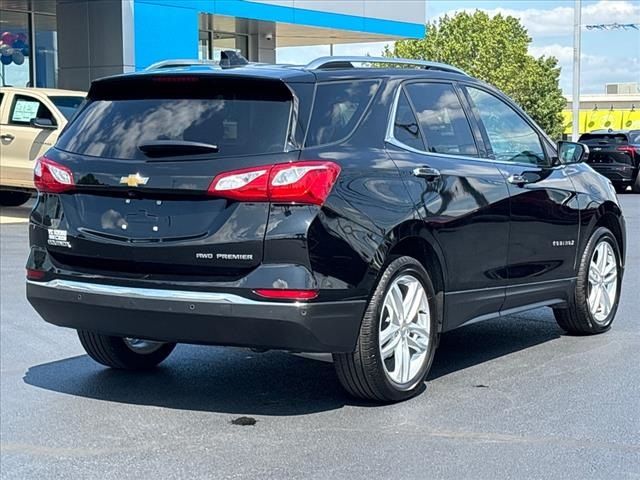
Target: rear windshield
236, 119
67, 105
614, 138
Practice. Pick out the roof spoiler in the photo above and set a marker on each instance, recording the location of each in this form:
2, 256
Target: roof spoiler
228, 59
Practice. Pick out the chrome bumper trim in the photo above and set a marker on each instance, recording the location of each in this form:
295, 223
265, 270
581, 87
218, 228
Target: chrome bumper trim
156, 293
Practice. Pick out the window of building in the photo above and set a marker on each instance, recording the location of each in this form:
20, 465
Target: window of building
46, 50
218, 33
405, 125
15, 49
28, 43
442, 119
512, 138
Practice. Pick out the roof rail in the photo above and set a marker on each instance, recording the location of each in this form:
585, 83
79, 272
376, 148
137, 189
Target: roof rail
343, 62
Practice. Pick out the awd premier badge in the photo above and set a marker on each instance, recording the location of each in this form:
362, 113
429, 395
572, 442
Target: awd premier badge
58, 238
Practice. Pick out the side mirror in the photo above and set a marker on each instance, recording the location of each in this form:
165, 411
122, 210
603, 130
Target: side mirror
45, 123
572, 152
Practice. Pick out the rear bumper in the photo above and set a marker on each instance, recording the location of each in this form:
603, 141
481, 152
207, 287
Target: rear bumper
198, 317
623, 174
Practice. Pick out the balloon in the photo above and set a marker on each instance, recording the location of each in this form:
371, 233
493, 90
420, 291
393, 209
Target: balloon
25, 51
19, 44
5, 50
22, 37
5, 59
18, 57
8, 38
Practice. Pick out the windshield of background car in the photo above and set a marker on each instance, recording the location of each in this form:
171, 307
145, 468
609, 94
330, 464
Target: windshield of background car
67, 105
238, 117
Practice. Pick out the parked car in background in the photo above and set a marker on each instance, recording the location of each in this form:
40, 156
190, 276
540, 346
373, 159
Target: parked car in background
616, 155
323, 208
30, 122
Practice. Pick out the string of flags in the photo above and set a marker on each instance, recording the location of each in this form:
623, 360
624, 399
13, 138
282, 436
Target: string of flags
614, 26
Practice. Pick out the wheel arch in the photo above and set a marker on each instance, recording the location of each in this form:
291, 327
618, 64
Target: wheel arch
608, 215
413, 239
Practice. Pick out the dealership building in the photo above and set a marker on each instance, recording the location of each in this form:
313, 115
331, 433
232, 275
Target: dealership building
68, 43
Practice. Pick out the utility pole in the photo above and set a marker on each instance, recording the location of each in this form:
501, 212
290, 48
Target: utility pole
577, 20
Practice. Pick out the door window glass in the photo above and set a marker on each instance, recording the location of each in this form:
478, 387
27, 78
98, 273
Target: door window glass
27, 108
442, 119
405, 125
512, 138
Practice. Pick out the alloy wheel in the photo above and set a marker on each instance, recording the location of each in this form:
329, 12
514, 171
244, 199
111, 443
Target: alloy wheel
143, 347
603, 281
404, 333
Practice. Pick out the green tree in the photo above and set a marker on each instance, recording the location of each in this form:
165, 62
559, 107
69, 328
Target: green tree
494, 49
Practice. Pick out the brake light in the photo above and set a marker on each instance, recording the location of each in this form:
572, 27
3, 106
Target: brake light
286, 294
33, 274
51, 177
308, 182
627, 149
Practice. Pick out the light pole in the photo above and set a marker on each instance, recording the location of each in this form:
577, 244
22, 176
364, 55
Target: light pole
575, 124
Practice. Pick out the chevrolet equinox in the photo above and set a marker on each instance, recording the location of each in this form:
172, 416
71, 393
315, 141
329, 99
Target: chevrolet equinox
352, 208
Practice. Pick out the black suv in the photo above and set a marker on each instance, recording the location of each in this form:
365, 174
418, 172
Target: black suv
616, 155
325, 208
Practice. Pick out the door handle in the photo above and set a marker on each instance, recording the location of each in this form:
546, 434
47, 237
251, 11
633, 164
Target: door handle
426, 172
517, 179
7, 136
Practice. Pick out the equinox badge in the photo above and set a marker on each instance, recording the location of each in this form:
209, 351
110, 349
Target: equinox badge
134, 180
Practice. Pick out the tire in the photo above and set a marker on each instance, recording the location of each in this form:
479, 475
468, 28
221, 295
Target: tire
364, 373
117, 352
579, 318
636, 185
14, 199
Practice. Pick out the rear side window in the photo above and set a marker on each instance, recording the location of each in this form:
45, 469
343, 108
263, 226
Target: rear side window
442, 119
239, 117
405, 126
337, 110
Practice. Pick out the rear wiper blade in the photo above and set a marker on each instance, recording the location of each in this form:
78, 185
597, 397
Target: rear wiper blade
172, 148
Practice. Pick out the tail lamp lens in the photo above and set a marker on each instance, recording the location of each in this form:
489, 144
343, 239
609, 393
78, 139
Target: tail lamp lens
33, 274
627, 149
51, 177
308, 182
286, 294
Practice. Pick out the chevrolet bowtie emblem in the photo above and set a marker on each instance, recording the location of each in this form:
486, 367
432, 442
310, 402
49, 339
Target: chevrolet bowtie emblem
134, 180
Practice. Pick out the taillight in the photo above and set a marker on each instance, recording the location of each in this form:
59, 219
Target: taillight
307, 182
51, 177
33, 274
627, 149
286, 294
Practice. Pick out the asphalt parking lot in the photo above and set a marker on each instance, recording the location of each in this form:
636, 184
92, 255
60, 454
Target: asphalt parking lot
511, 398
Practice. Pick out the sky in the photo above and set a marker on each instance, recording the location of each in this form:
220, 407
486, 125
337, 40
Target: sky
608, 56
